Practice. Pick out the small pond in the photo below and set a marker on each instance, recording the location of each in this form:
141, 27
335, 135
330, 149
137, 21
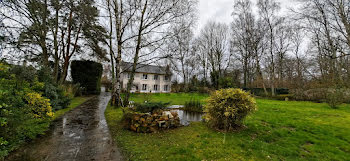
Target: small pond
185, 116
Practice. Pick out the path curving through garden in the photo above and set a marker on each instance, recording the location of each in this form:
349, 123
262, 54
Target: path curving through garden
80, 135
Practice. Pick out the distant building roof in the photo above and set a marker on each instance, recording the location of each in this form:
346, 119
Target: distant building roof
143, 68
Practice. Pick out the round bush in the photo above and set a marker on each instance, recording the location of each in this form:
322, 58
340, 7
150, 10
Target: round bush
226, 108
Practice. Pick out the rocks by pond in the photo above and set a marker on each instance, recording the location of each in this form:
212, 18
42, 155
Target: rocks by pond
150, 123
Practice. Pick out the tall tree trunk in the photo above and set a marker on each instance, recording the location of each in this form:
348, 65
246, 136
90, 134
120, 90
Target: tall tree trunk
260, 76
184, 74
66, 55
113, 99
136, 56
65, 70
272, 63
43, 37
204, 72
45, 56
69, 55
56, 56
118, 75
245, 72
117, 101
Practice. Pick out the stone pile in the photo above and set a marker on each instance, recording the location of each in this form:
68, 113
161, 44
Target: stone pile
150, 123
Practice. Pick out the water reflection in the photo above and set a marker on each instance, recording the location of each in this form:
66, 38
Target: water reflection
187, 117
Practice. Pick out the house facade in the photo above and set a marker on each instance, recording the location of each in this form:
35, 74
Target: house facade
148, 78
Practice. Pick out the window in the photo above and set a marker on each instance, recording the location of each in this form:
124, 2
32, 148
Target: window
155, 88
166, 87
155, 77
136, 87
144, 76
166, 78
144, 87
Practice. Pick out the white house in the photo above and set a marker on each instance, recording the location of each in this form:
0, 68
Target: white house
148, 78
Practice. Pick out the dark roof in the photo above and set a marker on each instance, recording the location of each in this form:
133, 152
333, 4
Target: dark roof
143, 68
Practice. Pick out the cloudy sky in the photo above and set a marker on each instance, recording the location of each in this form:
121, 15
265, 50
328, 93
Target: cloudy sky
220, 10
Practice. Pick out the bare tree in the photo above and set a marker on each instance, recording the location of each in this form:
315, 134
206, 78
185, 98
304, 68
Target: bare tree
214, 43
121, 14
283, 45
296, 43
327, 23
180, 46
111, 52
151, 19
243, 35
268, 10
202, 57
259, 47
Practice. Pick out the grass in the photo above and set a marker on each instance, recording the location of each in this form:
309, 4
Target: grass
279, 130
75, 102
173, 98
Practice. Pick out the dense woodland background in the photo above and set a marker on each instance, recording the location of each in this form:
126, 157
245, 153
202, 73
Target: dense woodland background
303, 49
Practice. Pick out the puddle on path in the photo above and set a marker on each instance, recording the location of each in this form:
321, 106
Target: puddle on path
80, 135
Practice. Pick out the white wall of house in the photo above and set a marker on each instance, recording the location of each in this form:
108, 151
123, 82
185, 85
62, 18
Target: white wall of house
149, 85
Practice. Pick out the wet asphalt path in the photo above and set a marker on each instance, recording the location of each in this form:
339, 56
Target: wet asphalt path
80, 135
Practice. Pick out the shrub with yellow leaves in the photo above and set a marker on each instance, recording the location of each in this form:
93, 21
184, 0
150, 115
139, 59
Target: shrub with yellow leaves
38, 106
226, 108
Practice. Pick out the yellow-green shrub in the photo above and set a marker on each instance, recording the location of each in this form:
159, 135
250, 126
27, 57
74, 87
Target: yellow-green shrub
24, 112
226, 108
38, 106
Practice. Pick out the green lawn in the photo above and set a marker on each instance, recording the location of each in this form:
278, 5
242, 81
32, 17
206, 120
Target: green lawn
277, 131
173, 98
76, 101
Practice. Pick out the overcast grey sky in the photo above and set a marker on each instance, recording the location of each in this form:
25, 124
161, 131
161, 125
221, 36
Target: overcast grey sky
220, 10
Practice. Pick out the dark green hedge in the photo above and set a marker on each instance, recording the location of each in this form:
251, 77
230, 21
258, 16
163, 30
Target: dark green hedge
88, 74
